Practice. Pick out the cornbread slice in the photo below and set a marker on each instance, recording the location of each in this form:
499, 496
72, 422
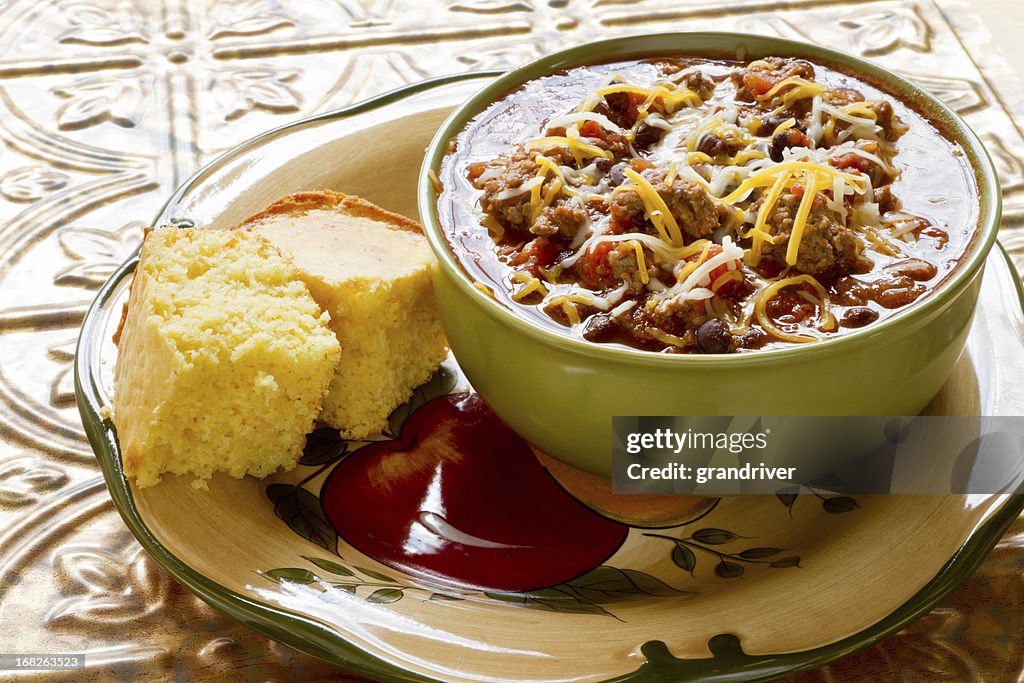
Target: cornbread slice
371, 270
224, 358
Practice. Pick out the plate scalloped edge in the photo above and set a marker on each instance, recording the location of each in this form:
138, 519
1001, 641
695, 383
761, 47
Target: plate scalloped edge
312, 637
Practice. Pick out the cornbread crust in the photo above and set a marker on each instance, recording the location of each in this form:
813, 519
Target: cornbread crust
372, 271
224, 359
302, 202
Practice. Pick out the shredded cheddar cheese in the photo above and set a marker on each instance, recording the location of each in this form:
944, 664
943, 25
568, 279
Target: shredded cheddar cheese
576, 146
769, 175
795, 88
758, 233
800, 221
641, 263
671, 98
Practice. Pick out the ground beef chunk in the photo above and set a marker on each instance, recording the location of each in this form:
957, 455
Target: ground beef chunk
687, 201
512, 209
700, 83
674, 315
752, 83
627, 208
690, 206
564, 218
689, 76
840, 97
615, 143
625, 268
516, 168
826, 245
891, 125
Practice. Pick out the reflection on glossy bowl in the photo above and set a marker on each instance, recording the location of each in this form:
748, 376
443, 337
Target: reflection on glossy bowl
560, 393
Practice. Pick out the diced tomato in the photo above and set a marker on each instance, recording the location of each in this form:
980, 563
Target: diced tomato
758, 82
536, 254
798, 191
594, 267
591, 129
852, 161
797, 138
640, 165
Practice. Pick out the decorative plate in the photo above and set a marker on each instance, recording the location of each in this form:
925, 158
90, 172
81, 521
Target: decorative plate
351, 556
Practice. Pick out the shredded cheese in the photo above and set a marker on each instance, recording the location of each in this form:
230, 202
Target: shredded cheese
667, 337
624, 307
694, 277
759, 235
641, 263
576, 146
671, 98
530, 286
768, 293
576, 117
769, 175
796, 88
800, 220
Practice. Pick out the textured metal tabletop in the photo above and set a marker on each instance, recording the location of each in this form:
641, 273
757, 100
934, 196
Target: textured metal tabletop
106, 105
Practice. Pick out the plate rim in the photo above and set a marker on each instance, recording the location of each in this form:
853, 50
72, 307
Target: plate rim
316, 639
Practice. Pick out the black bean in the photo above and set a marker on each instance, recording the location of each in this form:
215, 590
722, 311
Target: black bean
779, 143
599, 328
885, 199
859, 317
713, 336
646, 136
617, 175
753, 339
712, 145
773, 121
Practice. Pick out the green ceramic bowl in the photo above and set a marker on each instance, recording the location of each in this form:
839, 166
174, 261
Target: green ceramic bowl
561, 393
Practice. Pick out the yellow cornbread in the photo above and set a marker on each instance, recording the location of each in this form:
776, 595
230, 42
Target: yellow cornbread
224, 358
371, 270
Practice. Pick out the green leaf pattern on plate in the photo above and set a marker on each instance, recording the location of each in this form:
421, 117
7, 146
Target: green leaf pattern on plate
586, 594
